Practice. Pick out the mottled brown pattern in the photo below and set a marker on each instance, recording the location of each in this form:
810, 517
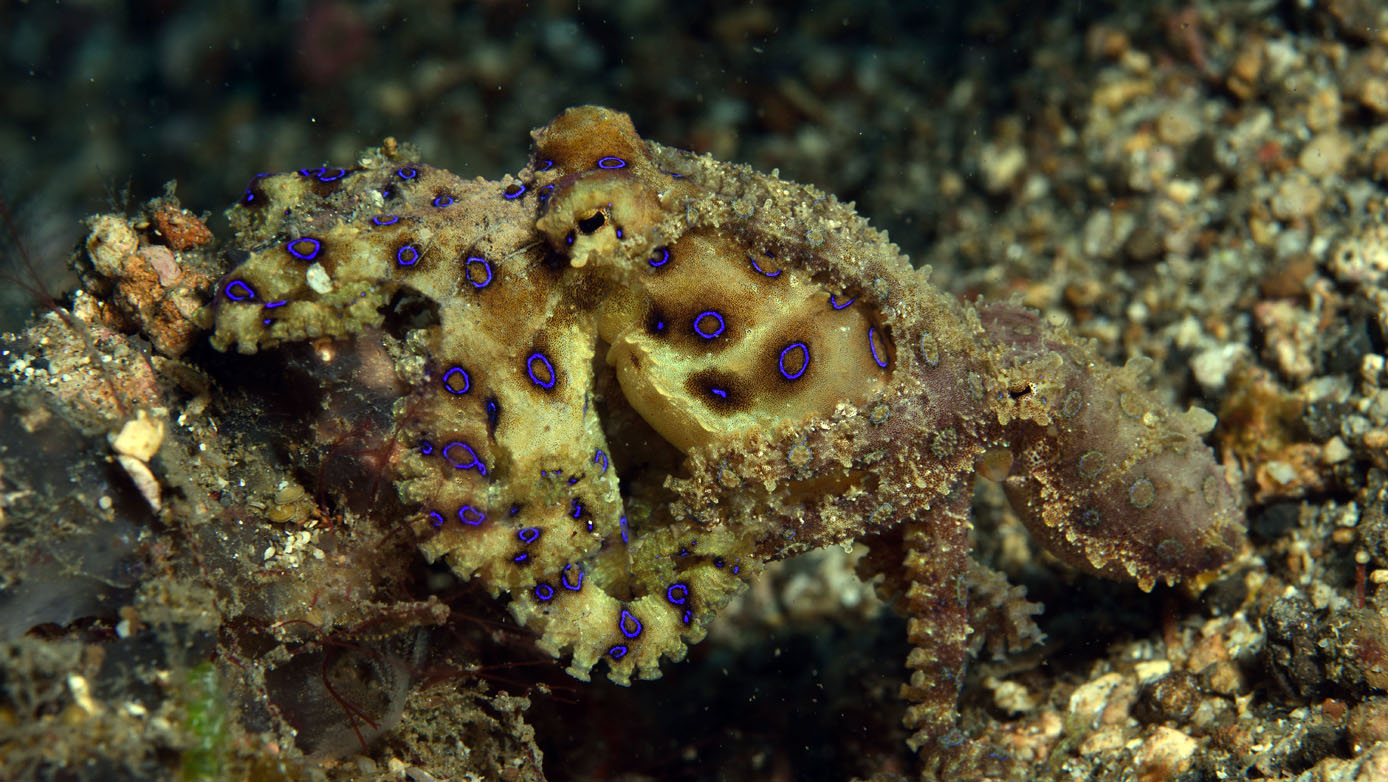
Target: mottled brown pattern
587, 440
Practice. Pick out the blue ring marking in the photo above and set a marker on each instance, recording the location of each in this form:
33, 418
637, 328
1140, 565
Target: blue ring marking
472, 462
688, 616
543, 592
737, 569
546, 191
509, 193
626, 620
578, 508
872, 345
600, 458
530, 370
447, 384
493, 413
269, 305
304, 255
267, 321
618, 652
564, 578
385, 219
407, 172
520, 558
471, 516
331, 174
718, 562
804, 365
425, 447
407, 255
435, 519
547, 166
699, 319
311, 172
624, 529
677, 594
718, 392
663, 253
515, 508
243, 293
528, 535
574, 480
776, 273
443, 200
833, 302
486, 266
611, 162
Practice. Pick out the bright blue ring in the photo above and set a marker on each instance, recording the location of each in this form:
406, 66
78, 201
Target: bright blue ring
406, 173
472, 457
385, 219
622, 624
478, 516
306, 255
872, 345
443, 201
249, 291
529, 534
670, 594
413, 255
323, 175
833, 302
436, 519
701, 316
611, 162
776, 273
516, 194
529, 362
664, 257
564, 578
467, 381
618, 652
543, 592
467, 272
781, 365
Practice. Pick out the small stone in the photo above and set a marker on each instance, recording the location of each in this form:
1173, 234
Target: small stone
1325, 156
1166, 752
1296, 198
140, 437
317, 278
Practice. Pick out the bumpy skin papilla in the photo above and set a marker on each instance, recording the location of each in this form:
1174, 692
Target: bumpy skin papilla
652, 372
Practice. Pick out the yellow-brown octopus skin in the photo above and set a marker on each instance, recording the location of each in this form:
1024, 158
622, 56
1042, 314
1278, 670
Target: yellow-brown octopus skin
651, 372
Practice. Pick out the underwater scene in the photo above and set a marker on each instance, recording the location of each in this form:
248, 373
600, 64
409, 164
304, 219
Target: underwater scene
736, 391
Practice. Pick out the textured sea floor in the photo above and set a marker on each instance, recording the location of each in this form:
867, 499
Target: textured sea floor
1203, 184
